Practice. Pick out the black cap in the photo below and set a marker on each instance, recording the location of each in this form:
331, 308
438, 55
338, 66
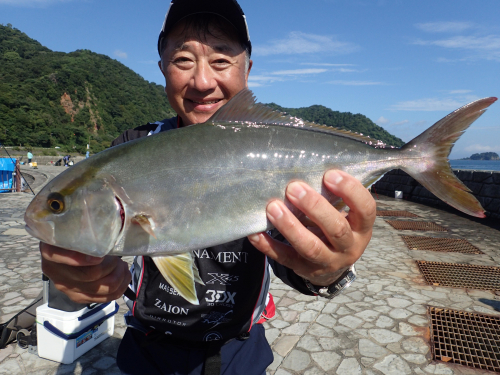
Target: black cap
230, 10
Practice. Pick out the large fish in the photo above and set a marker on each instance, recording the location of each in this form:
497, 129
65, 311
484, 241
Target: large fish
210, 183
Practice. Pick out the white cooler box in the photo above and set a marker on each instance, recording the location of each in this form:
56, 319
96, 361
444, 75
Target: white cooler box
64, 336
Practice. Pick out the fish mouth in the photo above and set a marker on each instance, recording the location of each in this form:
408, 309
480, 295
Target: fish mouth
122, 213
44, 231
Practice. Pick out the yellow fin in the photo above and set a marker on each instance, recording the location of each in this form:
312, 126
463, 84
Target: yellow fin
178, 270
426, 158
196, 274
146, 223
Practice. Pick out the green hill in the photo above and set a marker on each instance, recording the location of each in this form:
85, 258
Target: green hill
61, 99
344, 120
50, 99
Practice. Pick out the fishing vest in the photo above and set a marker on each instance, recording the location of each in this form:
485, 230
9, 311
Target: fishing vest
236, 281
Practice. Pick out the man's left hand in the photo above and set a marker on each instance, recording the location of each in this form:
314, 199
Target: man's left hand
320, 254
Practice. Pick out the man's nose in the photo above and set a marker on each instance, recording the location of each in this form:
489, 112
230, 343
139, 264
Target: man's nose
204, 77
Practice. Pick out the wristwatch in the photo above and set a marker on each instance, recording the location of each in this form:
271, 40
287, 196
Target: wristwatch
334, 289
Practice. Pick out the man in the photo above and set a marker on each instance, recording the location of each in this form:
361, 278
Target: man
30, 156
205, 49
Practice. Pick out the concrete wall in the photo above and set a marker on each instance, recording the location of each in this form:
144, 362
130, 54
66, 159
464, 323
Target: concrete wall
484, 185
45, 160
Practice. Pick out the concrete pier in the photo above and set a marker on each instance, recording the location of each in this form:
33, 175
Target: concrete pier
378, 326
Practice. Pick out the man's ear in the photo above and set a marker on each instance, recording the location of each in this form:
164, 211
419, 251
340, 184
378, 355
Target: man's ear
250, 64
160, 65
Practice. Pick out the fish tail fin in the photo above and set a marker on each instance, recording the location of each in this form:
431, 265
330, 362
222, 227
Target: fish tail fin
434, 146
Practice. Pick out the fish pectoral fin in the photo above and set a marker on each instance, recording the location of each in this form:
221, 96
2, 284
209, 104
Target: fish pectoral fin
146, 223
178, 271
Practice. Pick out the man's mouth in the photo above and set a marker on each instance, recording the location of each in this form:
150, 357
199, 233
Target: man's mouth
206, 102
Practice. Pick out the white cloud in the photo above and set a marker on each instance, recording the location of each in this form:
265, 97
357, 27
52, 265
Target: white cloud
448, 27
280, 76
382, 121
120, 54
399, 123
299, 71
428, 104
484, 47
453, 92
421, 123
261, 80
326, 64
254, 84
32, 2
478, 148
355, 83
298, 43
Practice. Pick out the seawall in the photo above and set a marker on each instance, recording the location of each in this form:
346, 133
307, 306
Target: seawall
49, 160
484, 185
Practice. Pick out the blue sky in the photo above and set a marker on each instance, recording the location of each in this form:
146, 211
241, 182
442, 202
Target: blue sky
404, 64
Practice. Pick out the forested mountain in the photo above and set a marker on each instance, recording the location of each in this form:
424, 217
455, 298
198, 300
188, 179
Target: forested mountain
50, 99
61, 99
343, 120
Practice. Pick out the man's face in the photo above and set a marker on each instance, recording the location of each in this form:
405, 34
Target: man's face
202, 76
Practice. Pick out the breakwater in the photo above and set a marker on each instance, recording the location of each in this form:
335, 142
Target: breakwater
50, 160
485, 185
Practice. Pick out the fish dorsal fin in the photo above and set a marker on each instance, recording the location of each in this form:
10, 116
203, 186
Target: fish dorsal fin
244, 109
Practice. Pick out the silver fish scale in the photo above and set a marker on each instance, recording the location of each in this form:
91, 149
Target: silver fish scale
213, 183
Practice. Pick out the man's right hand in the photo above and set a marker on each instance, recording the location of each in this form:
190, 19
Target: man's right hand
83, 278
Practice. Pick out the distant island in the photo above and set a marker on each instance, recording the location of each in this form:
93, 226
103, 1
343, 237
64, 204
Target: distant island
484, 156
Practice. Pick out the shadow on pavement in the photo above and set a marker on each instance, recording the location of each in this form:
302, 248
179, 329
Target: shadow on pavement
491, 302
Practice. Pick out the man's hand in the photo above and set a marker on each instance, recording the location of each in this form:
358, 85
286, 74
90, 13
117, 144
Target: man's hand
321, 254
83, 278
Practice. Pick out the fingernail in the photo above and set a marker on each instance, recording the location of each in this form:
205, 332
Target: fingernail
254, 237
274, 211
296, 190
333, 177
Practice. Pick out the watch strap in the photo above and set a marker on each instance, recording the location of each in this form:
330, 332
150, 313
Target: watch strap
334, 289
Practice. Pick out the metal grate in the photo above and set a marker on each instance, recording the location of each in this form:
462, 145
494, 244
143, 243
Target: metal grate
396, 213
416, 225
460, 275
440, 244
466, 339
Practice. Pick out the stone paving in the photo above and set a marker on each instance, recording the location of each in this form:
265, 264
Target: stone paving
378, 326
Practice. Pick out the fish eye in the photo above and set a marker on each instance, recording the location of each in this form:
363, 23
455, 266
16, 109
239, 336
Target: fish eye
56, 202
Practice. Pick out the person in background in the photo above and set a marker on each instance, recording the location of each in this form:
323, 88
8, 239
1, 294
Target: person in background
205, 49
29, 156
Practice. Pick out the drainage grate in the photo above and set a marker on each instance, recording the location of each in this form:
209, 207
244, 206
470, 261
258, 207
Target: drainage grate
460, 275
395, 213
466, 339
440, 244
416, 225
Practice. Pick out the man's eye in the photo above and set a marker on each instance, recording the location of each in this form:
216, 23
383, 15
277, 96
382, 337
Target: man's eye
221, 63
182, 61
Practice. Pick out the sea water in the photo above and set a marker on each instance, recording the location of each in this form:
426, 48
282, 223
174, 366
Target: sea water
476, 165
